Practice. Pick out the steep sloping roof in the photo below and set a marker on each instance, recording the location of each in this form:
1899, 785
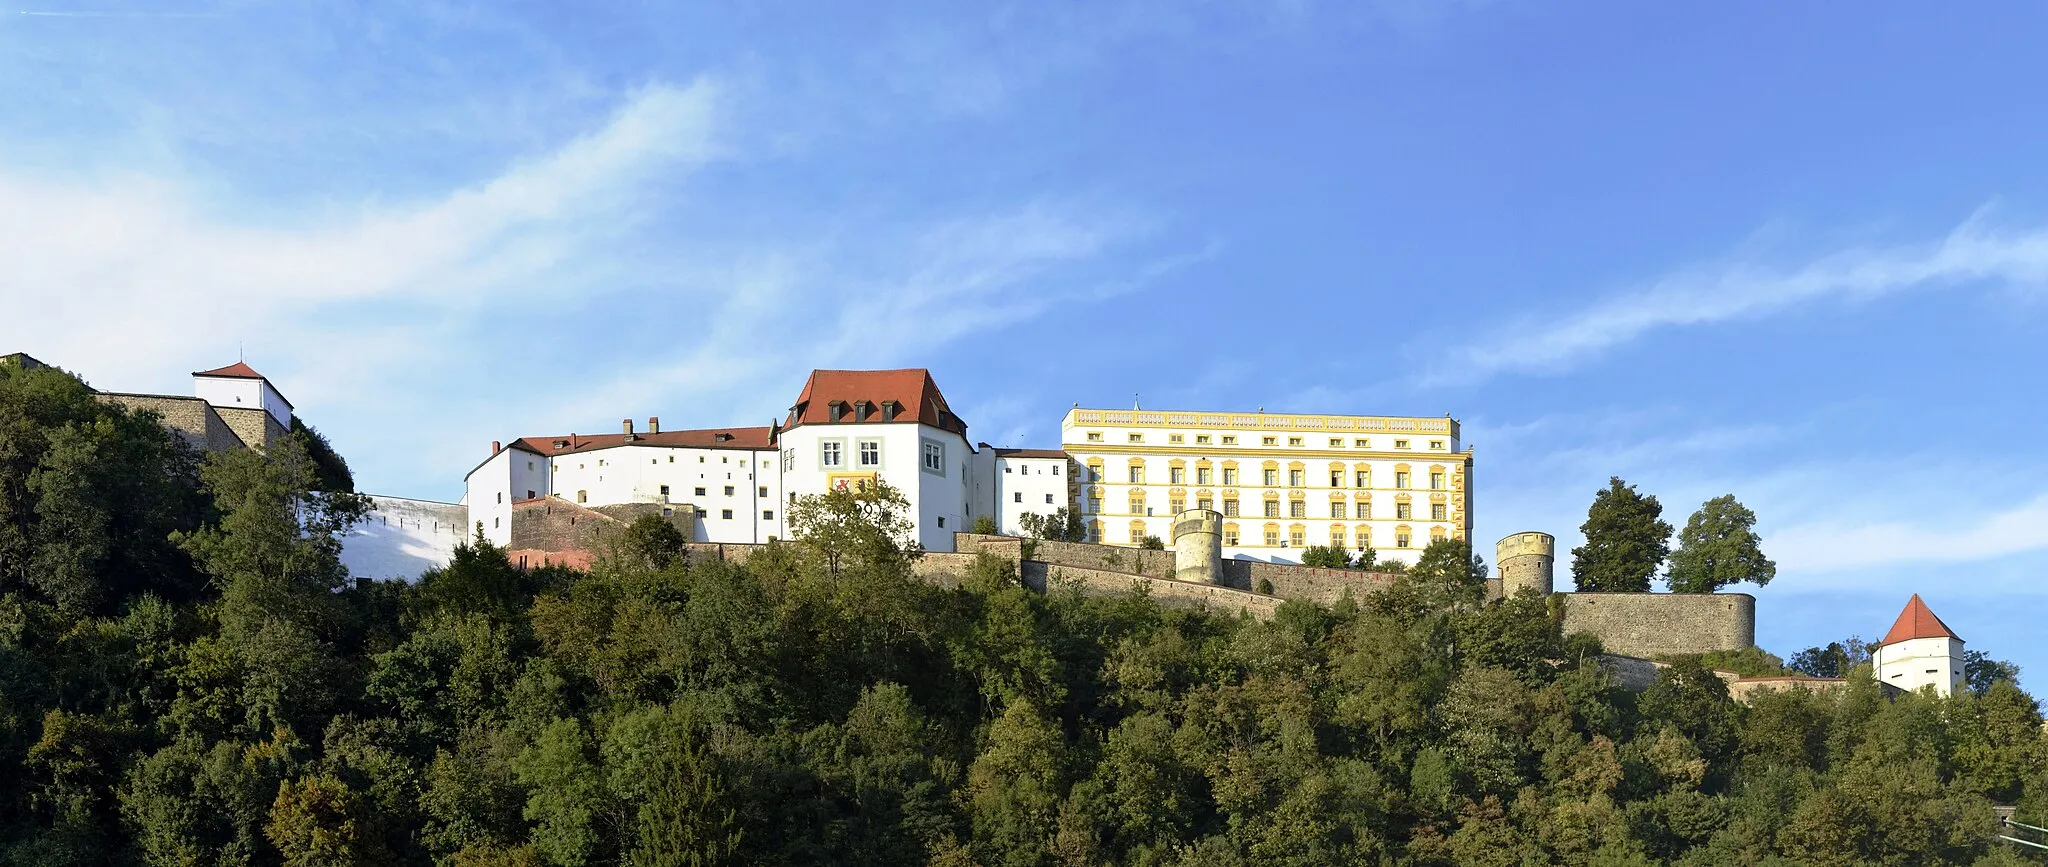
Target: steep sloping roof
911, 388
1917, 621
237, 370
710, 438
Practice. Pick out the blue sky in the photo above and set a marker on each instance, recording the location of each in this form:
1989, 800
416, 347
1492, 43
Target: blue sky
1792, 252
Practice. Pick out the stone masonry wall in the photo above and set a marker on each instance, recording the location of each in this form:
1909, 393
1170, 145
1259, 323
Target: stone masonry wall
189, 417
1662, 624
1224, 600
257, 428
1304, 582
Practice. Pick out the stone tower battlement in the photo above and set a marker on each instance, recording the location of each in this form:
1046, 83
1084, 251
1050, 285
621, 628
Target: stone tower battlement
1198, 545
1526, 561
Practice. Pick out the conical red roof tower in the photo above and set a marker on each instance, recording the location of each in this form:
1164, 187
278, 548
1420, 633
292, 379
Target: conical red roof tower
1917, 621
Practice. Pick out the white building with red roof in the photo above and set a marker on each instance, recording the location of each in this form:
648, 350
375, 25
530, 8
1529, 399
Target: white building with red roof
847, 428
1920, 651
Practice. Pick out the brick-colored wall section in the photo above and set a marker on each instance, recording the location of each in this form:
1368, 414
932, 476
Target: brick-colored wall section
1663, 624
189, 417
1305, 582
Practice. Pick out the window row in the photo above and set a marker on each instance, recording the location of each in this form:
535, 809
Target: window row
1270, 477
1339, 510
1096, 436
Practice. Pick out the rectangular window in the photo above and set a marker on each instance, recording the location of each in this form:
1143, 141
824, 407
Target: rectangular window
1272, 508
1205, 503
1294, 441
1436, 481
1436, 512
1336, 537
1272, 537
763, 494
700, 492
1230, 441
1401, 511
501, 496
1017, 497
728, 490
767, 515
1201, 439
828, 454
664, 490
1336, 443
1272, 478
1137, 505
870, 453
1230, 507
1178, 505
1361, 444
1336, 478
1201, 475
1400, 540
1337, 510
1298, 537
1364, 479
1400, 444
934, 458
1297, 509
1137, 438
1177, 475
1269, 441
1365, 511
1137, 475
1095, 436
1095, 505
1230, 538
1400, 479
1230, 475
725, 513
1436, 444
1175, 438
1048, 499
1297, 478
1055, 469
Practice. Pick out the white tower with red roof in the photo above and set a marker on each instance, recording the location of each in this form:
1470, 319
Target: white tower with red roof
1920, 651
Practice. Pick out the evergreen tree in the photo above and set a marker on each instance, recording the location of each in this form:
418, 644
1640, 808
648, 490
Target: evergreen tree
1718, 547
1626, 540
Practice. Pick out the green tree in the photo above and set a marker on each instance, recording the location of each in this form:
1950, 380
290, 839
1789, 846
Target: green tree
985, 525
1980, 671
1152, 543
651, 542
1325, 557
1834, 660
870, 525
1718, 547
330, 470
1060, 526
1626, 540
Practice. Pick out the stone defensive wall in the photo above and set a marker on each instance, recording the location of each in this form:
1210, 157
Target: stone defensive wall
1663, 624
1223, 600
190, 417
1305, 582
1081, 555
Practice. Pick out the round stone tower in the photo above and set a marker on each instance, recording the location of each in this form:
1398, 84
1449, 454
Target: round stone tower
1198, 546
1525, 561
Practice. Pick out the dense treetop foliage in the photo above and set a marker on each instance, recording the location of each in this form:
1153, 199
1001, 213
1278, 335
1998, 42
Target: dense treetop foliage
233, 697
1626, 540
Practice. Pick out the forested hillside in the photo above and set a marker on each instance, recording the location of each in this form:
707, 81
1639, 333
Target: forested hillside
187, 676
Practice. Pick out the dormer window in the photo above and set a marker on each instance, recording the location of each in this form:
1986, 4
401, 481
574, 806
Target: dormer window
837, 410
561, 444
890, 409
723, 437
861, 409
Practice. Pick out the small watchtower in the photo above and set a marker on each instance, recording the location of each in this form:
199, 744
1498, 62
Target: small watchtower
1920, 651
1526, 561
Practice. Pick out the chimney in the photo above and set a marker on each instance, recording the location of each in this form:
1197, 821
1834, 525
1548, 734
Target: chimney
626, 425
496, 447
654, 424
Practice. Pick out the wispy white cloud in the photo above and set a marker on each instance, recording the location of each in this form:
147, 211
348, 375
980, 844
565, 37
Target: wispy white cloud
1974, 252
1830, 546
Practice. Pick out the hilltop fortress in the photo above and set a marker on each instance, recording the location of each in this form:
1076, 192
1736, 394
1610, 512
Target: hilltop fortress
1233, 498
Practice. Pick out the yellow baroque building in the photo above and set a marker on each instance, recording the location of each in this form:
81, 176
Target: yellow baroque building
1282, 481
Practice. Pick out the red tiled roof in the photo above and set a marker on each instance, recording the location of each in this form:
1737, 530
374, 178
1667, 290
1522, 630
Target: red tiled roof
1030, 453
912, 389
1917, 622
735, 438
237, 370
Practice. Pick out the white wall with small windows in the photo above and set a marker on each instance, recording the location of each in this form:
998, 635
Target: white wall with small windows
1284, 481
490, 490
934, 468
1034, 485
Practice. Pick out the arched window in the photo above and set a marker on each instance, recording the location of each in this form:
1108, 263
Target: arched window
1402, 537
1336, 535
1137, 532
1297, 535
1272, 535
1230, 535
